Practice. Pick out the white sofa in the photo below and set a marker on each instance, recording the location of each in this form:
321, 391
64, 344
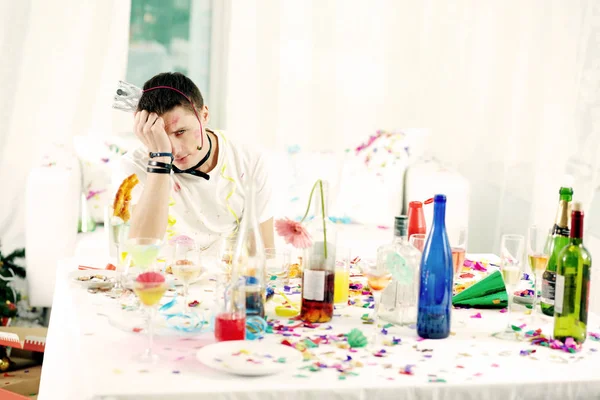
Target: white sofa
53, 197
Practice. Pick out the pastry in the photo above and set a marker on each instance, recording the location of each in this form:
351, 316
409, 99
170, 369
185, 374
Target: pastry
123, 197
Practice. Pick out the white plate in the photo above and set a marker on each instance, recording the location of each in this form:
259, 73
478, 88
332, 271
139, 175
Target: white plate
109, 274
247, 358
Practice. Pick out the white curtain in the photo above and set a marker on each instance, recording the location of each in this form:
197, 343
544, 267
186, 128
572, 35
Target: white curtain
508, 89
60, 62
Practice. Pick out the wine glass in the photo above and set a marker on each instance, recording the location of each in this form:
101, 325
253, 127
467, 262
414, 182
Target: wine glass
143, 251
150, 288
418, 241
511, 266
537, 253
185, 265
378, 278
118, 231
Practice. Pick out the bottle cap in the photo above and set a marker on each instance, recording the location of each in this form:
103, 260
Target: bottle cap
577, 206
439, 198
400, 225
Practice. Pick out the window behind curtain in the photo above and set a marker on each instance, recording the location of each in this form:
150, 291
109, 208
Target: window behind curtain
172, 35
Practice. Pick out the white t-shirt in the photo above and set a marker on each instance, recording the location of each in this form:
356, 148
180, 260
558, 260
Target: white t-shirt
209, 209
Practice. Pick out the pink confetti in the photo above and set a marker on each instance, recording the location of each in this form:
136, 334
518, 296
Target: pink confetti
383, 227
420, 339
503, 310
495, 365
478, 315
468, 263
479, 267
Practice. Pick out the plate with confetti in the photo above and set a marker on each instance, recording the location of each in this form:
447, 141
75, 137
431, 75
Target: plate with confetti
246, 358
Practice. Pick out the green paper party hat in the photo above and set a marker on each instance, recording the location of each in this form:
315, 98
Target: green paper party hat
490, 292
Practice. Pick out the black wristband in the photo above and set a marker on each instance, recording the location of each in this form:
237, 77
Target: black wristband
153, 155
158, 170
159, 164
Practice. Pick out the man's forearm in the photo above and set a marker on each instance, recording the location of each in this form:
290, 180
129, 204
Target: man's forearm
150, 216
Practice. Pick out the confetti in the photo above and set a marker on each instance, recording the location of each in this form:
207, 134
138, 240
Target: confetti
117, 371
594, 336
478, 315
526, 352
407, 370
503, 310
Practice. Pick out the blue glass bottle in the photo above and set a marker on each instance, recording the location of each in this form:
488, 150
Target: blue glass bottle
437, 275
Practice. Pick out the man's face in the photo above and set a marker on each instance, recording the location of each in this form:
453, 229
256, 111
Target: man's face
185, 135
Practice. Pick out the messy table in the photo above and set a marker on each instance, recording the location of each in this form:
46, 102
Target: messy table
87, 357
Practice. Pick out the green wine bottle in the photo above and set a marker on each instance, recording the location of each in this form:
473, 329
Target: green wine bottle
560, 238
572, 284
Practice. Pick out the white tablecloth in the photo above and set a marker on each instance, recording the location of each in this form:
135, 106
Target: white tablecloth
86, 357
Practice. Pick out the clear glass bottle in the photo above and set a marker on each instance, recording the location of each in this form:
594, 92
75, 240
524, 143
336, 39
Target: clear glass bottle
249, 255
318, 275
400, 299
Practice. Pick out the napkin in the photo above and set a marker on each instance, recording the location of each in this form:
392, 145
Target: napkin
489, 292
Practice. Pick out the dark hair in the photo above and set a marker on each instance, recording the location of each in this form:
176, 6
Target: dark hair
160, 101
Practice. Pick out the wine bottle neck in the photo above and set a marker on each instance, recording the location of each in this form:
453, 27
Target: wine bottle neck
439, 213
577, 226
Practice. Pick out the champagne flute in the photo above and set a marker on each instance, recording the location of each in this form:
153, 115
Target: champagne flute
537, 253
150, 288
378, 278
511, 266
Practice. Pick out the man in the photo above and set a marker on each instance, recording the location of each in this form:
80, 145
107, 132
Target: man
192, 179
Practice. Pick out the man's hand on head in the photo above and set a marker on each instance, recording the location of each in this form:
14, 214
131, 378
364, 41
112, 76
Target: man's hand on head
150, 129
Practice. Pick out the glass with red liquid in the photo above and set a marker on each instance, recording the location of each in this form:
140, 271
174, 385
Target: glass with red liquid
230, 315
458, 242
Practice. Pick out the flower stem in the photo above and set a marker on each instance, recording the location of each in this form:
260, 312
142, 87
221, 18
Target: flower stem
320, 183
310, 200
323, 214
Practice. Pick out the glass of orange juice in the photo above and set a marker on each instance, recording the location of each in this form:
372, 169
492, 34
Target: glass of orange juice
342, 277
150, 288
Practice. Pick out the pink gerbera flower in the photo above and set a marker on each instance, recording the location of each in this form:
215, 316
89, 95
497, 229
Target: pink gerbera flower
293, 233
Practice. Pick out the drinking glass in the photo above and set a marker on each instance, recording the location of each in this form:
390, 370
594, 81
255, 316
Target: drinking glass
378, 278
538, 255
150, 292
341, 285
458, 243
143, 251
511, 266
185, 265
418, 241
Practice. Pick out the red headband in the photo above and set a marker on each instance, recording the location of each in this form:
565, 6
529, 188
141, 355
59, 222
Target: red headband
191, 102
